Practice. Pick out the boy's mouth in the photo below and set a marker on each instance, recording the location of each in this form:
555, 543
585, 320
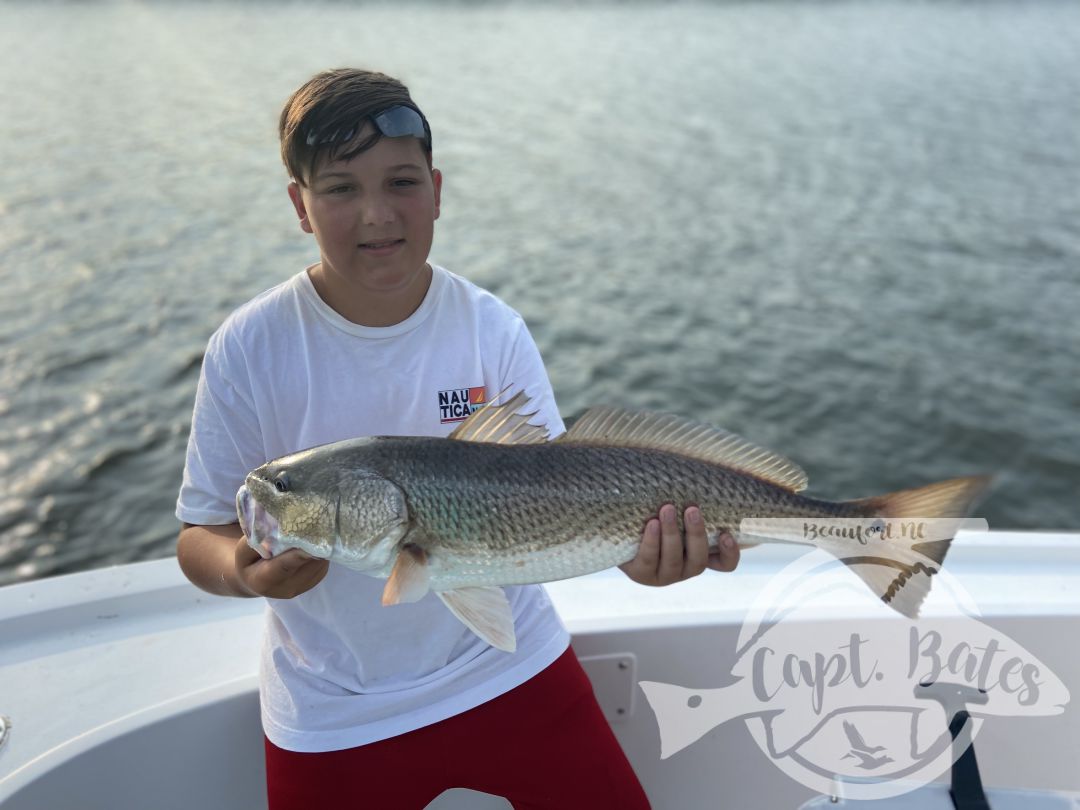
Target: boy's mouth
381, 246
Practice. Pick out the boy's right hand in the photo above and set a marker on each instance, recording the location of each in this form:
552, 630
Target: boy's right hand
283, 576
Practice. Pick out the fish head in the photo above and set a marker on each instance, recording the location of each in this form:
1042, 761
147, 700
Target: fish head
326, 504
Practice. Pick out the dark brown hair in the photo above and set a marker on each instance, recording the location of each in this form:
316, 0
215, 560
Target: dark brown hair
336, 101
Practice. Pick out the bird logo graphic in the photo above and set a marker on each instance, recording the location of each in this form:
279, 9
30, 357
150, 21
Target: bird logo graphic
863, 752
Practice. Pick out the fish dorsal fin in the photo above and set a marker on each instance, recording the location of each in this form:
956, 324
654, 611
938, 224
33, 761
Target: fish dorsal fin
501, 424
676, 434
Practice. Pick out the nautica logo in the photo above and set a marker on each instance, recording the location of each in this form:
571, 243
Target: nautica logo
456, 404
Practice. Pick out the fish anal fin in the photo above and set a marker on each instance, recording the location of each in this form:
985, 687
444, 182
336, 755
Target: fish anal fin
501, 424
676, 434
409, 580
486, 612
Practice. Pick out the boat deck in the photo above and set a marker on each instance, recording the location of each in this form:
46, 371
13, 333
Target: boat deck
84, 657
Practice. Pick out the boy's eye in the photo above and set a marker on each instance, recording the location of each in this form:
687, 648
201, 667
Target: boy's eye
403, 182
339, 189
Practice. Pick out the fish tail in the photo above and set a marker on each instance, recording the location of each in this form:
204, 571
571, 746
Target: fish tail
902, 579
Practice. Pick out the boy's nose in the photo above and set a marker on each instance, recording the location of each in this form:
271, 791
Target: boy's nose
376, 211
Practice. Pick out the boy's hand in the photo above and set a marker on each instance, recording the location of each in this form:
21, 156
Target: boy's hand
664, 559
284, 576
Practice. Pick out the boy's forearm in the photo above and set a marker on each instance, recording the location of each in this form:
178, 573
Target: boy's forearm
207, 556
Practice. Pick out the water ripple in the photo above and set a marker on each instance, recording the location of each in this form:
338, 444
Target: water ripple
848, 231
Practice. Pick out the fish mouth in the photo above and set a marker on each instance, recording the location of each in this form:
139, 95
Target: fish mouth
262, 530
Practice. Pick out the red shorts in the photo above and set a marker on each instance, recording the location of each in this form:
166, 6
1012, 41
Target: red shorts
543, 745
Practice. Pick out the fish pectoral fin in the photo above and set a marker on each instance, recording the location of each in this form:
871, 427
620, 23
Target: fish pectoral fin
486, 612
409, 580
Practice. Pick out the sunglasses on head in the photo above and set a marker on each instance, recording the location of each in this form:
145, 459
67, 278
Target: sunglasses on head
399, 121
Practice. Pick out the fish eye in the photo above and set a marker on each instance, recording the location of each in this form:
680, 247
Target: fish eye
281, 482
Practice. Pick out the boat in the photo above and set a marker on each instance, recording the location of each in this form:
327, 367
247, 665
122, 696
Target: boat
127, 687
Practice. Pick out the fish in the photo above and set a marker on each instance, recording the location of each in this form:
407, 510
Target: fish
496, 503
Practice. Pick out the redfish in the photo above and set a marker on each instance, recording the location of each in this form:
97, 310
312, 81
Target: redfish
496, 503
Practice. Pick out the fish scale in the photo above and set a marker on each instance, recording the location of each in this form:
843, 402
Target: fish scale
558, 510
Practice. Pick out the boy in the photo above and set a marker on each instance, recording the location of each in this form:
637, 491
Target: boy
364, 705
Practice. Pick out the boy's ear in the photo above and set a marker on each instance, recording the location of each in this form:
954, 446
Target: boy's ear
436, 181
301, 210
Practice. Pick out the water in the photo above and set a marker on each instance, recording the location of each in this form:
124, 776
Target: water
849, 231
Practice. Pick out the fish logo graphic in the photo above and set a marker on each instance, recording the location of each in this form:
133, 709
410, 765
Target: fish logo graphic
868, 698
456, 404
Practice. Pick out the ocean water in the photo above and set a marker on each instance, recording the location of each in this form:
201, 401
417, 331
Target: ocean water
847, 230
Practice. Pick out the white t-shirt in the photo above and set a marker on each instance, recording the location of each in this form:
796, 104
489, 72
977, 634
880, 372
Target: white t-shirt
286, 372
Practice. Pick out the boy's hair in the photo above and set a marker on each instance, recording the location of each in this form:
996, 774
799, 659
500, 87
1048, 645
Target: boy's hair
337, 101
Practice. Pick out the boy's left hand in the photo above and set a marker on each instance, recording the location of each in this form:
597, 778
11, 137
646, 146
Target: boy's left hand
664, 558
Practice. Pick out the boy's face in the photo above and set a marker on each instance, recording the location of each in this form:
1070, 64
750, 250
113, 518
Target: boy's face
373, 216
